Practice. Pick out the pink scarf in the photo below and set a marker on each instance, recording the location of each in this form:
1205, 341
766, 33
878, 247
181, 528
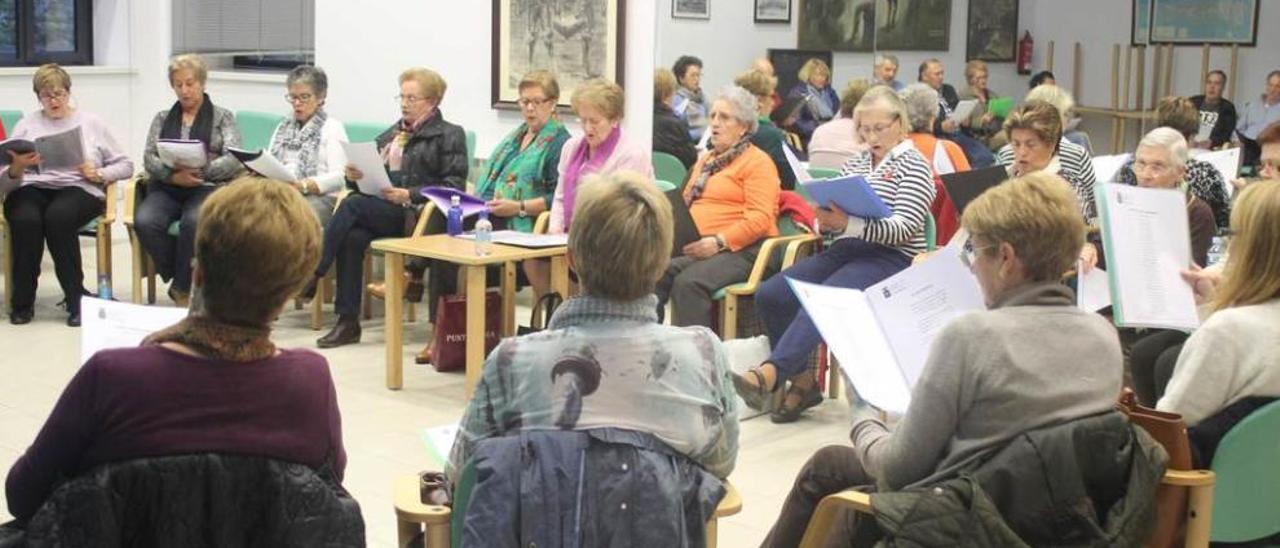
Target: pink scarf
393, 155
580, 164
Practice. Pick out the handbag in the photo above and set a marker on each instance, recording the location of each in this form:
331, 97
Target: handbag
540, 316
449, 341
1171, 432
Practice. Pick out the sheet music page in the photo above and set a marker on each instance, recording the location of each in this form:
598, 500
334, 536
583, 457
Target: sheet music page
366, 159
1148, 243
64, 150
1227, 162
802, 174
1093, 289
112, 324
1106, 168
266, 165
175, 153
963, 110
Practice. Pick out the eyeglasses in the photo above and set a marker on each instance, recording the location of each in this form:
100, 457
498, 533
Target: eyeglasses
969, 254
303, 98
55, 96
409, 99
879, 131
1155, 168
535, 103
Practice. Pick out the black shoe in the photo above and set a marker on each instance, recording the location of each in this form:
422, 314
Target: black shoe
346, 332
755, 395
22, 316
73, 320
785, 414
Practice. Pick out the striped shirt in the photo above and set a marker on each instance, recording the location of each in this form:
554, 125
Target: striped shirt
1077, 169
904, 180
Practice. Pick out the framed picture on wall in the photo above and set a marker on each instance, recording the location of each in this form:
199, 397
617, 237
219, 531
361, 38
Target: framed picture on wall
577, 40
837, 25
993, 30
691, 9
913, 25
1141, 22
773, 11
1223, 22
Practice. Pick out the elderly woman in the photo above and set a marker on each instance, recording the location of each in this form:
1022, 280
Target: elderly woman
1203, 180
981, 125
945, 156
418, 151
1226, 370
1061, 99
991, 375
602, 148
865, 251
820, 101
51, 204
732, 194
175, 192
768, 137
309, 143
606, 365
1034, 131
227, 388
835, 142
689, 103
670, 132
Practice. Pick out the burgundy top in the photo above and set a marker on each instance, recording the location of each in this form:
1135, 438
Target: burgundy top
151, 401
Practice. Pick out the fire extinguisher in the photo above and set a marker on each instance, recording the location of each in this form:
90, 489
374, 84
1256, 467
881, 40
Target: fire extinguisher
1024, 53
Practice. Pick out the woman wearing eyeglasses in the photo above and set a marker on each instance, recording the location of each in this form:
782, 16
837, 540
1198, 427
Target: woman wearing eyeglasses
51, 205
865, 251
419, 150
309, 142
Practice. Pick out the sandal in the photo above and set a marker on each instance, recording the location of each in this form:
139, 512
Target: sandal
755, 395
785, 413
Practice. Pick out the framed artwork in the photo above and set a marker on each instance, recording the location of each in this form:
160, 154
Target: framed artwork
787, 63
1141, 23
773, 11
993, 30
913, 25
577, 40
837, 25
691, 9
1224, 22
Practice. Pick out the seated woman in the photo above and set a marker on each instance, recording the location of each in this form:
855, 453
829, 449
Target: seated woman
991, 375
624, 369
1233, 356
603, 147
310, 142
420, 150
819, 101
226, 387
945, 156
1061, 99
670, 132
52, 204
835, 142
981, 125
175, 192
865, 251
732, 196
767, 137
1203, 180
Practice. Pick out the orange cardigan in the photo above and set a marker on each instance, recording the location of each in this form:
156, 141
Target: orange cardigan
740, 202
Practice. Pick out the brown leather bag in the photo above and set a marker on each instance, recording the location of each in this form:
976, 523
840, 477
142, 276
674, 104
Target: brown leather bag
1171, 501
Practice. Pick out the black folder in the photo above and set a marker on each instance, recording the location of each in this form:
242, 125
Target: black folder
965, 186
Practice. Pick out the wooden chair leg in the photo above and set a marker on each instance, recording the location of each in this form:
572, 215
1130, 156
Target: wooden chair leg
712, 532
151, 281
6, 241
1199, 516
834, 380
136, 267
317, 305
729, 317
104, 258
367, 302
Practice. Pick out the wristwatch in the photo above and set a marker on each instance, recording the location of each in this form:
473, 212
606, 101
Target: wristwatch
523, 213
720, 243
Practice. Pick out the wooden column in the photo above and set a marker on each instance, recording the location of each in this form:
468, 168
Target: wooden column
1048, 65
1204, 65
1115, 93
1168, 72
1231, 75
1075, 72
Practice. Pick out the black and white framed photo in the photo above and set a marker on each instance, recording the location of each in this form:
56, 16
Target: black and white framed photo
577, 40
773, 11
993, 30
691, 9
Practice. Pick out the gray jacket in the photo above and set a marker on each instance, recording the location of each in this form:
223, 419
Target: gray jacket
222, 167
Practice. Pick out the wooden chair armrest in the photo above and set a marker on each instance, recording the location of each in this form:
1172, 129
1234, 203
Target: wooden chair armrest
731, 503
542, 222
409, 506
131, 197
1188, 478
111, 189
823, 520
762, 263
420, 228
810, 241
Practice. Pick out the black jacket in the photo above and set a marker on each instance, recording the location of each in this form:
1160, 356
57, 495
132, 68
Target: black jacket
195, 501
671, 135
949, 96
436, 155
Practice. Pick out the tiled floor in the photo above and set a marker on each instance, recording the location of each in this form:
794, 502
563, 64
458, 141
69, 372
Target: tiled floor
381, 428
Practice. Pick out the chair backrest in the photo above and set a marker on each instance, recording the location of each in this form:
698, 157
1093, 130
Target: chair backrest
930, 233
823, 173
665, 185
364, 132
668, 168
10, 119
1246, 499
256, 128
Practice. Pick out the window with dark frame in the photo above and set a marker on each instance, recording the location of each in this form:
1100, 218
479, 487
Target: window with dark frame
34, 32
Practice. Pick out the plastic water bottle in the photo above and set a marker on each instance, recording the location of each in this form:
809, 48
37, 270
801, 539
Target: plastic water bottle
484, 235
104, 286
455, 216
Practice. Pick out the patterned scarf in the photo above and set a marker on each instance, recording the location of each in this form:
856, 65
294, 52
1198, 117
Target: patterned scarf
716, 163
515, 174
818, 106
580, 163
393, 155
218, 340
301, 141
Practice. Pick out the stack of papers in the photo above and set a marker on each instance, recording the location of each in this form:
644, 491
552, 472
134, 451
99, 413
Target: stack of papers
365, 157
111, 324
182, 153
265, 164
62, 150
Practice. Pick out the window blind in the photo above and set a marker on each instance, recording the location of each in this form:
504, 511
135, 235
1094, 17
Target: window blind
244, 27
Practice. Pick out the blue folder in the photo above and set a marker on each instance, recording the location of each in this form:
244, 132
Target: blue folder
852, 194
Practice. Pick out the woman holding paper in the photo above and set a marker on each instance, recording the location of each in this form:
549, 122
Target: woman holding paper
981, 124
50, 206
1032, 360
175, 191
865, 251
420, 150
309, 143
820, 101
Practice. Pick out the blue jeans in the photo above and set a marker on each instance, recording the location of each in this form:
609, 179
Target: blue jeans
851, 263
164, 204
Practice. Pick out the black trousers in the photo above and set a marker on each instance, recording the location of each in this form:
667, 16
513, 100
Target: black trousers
40, 215
832, 469
163, 205
1151, 361
359, 220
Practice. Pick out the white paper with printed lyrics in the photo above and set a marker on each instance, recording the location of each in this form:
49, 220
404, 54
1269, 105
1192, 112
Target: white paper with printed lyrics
182, 153
365, 157
111, 324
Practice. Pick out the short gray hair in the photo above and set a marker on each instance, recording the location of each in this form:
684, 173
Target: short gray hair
1170, 140
922, 105
309, 75
742, 105
882, 58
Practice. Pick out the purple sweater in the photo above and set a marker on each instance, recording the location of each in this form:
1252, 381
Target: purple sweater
151, 401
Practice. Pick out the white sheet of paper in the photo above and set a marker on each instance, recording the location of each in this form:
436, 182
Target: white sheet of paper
1148, 243
963, 110
802, 174
706, 138
1206, 131
1093, 289
63, 150
439, 441
271, 167
366, 159
1106, 168
1226, 161
523, 239
176, 153
111, 324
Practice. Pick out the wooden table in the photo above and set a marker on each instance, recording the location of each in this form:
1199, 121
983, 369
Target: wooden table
461, 252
